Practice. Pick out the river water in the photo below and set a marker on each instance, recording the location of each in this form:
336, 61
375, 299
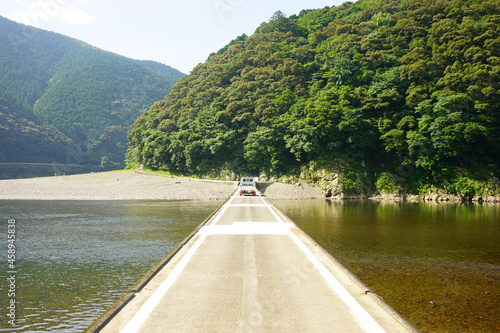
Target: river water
75, 258
438, 265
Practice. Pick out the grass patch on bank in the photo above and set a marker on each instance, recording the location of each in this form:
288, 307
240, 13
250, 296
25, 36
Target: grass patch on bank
167, 174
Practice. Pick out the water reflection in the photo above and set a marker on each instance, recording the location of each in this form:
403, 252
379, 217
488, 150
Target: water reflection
436, 264
75, 258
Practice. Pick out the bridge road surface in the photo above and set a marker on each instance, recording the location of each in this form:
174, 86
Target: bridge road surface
250, 269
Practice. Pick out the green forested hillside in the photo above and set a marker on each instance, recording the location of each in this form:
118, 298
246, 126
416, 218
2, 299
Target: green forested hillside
387, 95
23, 141
91, 96
30, 142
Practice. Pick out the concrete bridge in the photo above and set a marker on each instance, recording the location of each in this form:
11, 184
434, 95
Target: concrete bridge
248, 268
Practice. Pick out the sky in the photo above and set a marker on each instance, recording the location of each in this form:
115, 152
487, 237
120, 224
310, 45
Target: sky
178, 33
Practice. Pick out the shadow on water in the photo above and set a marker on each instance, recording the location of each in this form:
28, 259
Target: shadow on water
436, 264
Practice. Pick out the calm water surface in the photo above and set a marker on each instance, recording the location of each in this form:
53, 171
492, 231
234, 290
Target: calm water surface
436, 264
75, 258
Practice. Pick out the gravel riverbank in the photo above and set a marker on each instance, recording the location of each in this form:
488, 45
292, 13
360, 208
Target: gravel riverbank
135, 186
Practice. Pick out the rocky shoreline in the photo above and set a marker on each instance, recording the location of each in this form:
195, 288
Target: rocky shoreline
330, 188
437, 198
440, 198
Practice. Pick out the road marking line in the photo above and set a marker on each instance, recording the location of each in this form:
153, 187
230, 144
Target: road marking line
251, 305
360, 315
135, 324
223, 210
248, 228
278, 218
247, 205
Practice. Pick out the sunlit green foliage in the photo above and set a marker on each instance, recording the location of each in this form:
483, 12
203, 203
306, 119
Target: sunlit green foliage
406, 87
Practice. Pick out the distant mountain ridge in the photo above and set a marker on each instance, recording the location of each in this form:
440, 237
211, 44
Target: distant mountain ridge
78, 93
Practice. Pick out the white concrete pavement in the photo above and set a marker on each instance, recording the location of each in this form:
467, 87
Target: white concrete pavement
251, 269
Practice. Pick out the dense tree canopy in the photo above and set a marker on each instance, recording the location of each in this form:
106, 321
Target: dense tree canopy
89, 95
407, 87
24, 141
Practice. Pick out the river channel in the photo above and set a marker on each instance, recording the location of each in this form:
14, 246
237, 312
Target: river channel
438, 265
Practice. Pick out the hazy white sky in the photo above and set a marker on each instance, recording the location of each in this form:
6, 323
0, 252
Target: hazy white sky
179, 33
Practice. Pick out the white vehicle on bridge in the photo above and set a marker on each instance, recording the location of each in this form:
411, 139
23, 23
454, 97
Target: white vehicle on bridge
247, 186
